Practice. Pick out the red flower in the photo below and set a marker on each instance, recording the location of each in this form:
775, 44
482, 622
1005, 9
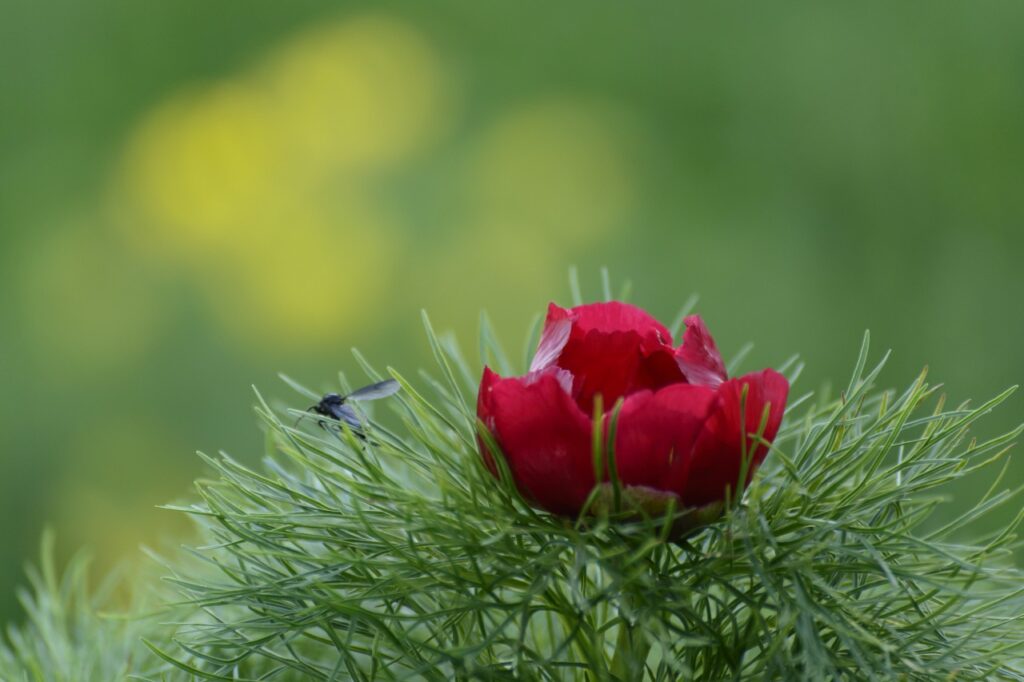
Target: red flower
679, 432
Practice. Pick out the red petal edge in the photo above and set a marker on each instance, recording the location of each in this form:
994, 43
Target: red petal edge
610, 316
613, 349
656, 433
718, 453
544, 436
698, 357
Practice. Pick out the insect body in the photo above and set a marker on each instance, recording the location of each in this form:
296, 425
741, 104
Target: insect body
336, 406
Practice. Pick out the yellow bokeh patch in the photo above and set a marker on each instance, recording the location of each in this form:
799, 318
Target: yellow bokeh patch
263, 186
545, 183
357, 95
557, 169
200, 167
270, 189
317, 282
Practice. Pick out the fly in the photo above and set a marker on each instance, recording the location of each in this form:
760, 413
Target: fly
336, 406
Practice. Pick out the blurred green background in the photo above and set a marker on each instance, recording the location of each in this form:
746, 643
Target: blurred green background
195, 196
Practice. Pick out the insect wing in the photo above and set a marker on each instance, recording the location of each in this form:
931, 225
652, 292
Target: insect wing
346, 414
375, 391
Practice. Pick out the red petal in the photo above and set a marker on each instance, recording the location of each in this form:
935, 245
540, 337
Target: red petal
610, 316
485, 412
602, 363
656, 433
658, 368
698, 357
544, 436
718, 453
612, 349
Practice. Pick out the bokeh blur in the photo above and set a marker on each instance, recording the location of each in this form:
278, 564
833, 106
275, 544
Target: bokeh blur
195, 196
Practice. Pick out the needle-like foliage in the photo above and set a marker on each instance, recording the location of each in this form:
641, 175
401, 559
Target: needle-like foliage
67, 636
399, 556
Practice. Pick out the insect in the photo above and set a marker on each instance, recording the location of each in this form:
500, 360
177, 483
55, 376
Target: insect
335, 406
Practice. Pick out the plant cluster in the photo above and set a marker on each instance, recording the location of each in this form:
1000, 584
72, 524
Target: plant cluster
396, 554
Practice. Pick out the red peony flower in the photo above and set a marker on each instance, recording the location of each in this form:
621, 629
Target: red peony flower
680, 432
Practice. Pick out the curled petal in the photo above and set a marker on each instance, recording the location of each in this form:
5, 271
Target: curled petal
656, 433
544, 436
552, 341
730, 434
562, 376
698, 357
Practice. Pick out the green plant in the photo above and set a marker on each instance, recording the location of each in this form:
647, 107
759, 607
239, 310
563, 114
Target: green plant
68, 635
401, 557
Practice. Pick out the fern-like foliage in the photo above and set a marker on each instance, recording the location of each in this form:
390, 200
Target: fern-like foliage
71, 633
399, 556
